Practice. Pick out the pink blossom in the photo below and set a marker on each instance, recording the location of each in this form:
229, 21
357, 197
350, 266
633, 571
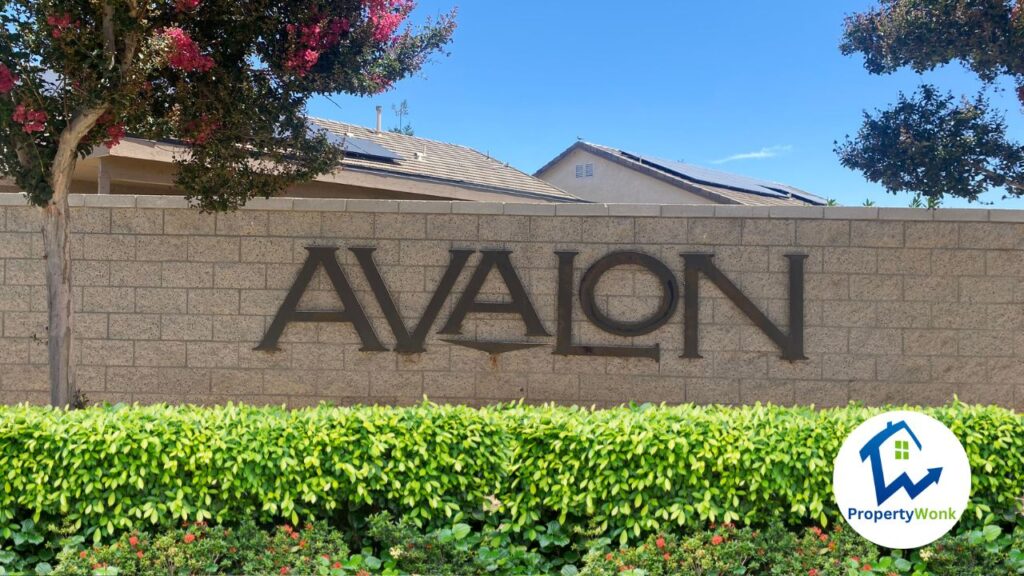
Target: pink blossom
30, 120
7, 79
185, 55
386, 16
186, 5
311, 40
115, 133
199, 132
59, 23
302, 61
380, 83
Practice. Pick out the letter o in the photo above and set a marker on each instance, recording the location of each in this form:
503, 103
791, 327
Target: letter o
669, 294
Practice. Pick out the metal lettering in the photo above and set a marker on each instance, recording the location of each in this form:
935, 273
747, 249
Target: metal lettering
791, 345
406, 342
353, 312
563, 341
520, 301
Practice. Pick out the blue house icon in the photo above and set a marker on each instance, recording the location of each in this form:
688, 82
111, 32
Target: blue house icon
873, 450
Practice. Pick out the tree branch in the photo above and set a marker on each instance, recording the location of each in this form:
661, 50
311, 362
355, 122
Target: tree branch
67, 147
1010, 183
131, 45
109, 40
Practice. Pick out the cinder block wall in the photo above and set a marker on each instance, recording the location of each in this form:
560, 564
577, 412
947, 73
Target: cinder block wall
901, 305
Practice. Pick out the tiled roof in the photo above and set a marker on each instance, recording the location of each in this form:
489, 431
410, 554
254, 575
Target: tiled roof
442, 162
718, 187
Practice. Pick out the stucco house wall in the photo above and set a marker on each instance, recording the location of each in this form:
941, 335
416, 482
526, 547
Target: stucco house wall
614, 183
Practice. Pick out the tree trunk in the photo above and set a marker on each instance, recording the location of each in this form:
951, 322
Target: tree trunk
57, 252
57, 246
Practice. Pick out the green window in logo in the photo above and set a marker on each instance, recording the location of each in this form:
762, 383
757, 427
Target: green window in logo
902, 450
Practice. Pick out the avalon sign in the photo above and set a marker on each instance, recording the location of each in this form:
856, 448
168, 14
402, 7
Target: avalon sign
411, 340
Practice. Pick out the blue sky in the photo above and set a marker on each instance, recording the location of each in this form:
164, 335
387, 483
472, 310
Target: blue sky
747, 86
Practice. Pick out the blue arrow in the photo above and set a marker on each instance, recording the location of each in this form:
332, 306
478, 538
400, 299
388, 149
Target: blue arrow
883, 491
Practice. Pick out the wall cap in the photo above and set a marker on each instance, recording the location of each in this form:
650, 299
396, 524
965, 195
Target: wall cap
524, 209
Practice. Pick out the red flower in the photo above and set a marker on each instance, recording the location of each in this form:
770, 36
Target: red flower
185, 54
139, 554
295, 535
716, 539
667, 556
30, 120
866, 568
608, 556
660, 543
336, 566
134, 541
190, 538
7, 79
186, 5
284, 570
199, 132
58, 23
386, 16
83, 554
812, 572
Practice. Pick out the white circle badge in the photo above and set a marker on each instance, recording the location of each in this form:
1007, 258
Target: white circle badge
902, 480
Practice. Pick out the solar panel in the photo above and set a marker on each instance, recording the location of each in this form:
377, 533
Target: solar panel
798, 193
358, 146
714, 177
367, 148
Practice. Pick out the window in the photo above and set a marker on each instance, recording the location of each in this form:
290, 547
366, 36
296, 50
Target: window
902, 450
585, 170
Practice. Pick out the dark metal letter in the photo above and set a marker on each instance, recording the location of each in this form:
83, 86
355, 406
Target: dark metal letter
406, 342
353, 312
669, 294
791, 345
520, 303
563, 342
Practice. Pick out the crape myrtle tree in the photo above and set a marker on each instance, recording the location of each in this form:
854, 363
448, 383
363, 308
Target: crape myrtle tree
931, 142
229, 78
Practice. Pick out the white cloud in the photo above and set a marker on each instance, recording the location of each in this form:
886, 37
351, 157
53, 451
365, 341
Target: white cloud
768, 152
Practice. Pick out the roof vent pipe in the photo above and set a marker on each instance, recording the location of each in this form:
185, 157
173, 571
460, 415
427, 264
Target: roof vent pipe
380, 118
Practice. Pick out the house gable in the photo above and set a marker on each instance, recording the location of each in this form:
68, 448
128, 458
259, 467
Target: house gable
613, 182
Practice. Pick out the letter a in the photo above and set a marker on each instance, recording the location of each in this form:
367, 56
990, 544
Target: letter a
353, 312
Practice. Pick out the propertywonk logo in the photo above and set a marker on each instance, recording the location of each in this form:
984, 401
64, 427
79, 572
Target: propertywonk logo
902, 480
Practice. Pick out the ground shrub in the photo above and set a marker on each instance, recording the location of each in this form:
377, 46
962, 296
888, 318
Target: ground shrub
396, 548
776, 551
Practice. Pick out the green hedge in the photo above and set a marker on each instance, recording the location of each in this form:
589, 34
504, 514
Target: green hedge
627, 472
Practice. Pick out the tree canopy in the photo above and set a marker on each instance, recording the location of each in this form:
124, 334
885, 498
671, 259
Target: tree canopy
930, 142
228, 77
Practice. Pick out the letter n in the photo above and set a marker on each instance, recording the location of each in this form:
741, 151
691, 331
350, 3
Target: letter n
353, 312
791, 345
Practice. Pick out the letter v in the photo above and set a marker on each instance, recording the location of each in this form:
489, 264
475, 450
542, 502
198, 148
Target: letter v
406, 342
